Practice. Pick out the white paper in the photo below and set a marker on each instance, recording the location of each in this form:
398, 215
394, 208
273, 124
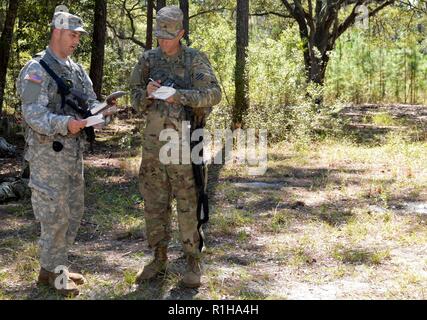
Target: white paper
94, 120
164, 93
98, 107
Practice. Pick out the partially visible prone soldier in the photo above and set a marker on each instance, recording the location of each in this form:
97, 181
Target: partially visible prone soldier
55, 143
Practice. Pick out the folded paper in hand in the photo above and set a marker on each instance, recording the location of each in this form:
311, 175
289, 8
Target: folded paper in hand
94, 120
98, 107
163, 93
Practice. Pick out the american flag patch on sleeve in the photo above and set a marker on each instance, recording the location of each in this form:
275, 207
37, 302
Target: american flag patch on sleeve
34, 78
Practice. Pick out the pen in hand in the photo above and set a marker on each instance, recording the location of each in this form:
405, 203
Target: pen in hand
154, 82
151, 89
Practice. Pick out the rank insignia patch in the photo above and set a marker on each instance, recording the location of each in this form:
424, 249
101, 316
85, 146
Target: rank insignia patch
200, 76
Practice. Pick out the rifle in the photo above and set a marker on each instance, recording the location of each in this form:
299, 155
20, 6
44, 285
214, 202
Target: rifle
200, 172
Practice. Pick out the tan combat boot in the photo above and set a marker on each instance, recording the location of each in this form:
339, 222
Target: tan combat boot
48, 278
193, 273
158, 265
76, 277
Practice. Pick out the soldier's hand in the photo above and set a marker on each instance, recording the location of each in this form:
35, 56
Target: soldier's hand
74, 126
152, 86
170, 100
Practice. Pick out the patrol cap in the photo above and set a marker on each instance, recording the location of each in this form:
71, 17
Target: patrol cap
67, 21
169, 22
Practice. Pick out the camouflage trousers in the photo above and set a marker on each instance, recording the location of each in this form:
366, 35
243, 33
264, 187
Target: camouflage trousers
57, 196
159, 184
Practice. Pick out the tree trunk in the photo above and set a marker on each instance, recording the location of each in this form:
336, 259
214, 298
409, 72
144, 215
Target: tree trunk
183, 4
318, 47
241, 76
5, 46
149, 37
98, 46
406, 78
160, 4
317, 69
316, 58
2, 19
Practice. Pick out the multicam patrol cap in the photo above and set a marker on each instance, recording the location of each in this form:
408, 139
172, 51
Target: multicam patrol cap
169, 22
67, 21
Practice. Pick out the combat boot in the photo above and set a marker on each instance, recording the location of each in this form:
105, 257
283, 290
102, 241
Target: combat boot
193, 273
68, 289
158, 265
77, 278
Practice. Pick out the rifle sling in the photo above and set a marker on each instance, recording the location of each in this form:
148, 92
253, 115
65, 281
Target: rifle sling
64, 90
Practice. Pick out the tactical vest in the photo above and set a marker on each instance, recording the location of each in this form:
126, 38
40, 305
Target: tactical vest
74, 75
180, 71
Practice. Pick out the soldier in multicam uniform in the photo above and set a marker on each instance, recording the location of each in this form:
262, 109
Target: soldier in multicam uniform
198, 89
55, 146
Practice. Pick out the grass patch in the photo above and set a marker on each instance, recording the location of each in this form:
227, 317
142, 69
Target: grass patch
226, 223
300, 257
130, 227
215, 286
115, 204
4, 275
11, 244
21, 210
129, 277
359, 256
279, 221
242, 236
334, 217
384, 119
248, 293
27, 262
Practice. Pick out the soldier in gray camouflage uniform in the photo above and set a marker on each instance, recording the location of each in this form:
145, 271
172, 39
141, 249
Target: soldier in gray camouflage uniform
197, 87
55, 147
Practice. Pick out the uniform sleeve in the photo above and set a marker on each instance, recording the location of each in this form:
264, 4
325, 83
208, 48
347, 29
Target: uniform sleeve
33, 91
138, 84
205, 90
